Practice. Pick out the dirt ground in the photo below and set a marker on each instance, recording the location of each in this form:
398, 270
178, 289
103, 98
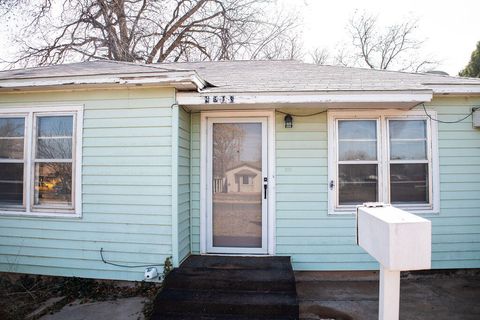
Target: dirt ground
22, 295
441, 295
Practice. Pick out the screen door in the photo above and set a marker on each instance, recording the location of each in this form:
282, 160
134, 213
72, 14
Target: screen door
237, 185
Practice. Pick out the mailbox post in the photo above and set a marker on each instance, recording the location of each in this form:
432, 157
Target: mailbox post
399, 241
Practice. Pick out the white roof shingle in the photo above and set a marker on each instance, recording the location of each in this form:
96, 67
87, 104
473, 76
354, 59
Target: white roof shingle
253, 76
258, 76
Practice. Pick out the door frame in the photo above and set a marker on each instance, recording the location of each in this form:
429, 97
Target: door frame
204, 175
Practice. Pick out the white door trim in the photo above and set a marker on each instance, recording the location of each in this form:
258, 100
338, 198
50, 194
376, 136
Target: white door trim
270, 115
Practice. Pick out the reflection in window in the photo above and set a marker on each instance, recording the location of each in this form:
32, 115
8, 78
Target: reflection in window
11, 184
408, 140
357, 165
409, 183
358, 183
357, 140
408, 161
53, 161
12, 163
237, 185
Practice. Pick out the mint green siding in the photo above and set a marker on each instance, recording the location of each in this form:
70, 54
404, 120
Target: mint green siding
195, 182
318, 241
141, 191
315, 240
183, 185
126, 184
456, 230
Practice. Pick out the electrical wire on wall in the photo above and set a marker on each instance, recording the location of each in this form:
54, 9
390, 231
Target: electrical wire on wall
127, 266
302, 115
456, 121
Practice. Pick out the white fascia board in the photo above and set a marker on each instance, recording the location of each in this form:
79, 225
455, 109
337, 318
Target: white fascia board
199, 82
172, 78
463, 89
199, 98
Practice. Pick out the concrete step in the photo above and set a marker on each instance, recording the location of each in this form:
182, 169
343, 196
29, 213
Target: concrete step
252, 280
196, 316
227, 287
226, 302
231, 263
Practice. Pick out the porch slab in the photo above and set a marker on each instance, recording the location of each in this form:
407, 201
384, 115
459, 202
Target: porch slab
437, 295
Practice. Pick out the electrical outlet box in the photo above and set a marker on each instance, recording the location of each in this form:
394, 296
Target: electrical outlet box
476, 118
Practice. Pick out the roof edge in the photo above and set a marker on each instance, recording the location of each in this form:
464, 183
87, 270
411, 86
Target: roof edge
179, 79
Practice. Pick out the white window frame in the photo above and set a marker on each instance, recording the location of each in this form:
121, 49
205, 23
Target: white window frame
31, 113
383, 157
23, 161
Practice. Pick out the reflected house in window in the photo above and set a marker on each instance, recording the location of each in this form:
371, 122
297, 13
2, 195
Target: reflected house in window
243, 178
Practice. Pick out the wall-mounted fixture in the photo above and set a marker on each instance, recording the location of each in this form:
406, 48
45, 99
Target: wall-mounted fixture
151, 273
288, 121
476, 117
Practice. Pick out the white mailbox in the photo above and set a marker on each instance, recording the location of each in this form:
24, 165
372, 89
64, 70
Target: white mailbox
397, 239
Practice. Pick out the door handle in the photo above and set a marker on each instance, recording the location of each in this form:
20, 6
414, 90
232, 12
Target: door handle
265, 187
331, 185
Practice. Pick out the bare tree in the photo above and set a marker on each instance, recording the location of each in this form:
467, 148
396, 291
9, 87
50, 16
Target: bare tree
393, 48
151, 30
320, 56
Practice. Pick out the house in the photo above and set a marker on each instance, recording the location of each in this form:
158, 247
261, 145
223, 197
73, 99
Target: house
244, 178
132, 164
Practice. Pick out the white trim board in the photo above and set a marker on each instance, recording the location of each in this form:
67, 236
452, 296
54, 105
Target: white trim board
331, 97
270, 115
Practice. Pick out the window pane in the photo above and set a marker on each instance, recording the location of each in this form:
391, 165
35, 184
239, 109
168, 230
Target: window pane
11, 138
357, 183
12, 127
59, 126
408, 150
53, 184
54, 148
409, 183
357, 140
11, 148
408, 129
357, 150
357, 129
11, 184
408, 140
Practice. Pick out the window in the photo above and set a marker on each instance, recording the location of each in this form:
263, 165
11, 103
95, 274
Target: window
12, 161
39, 166
386, 157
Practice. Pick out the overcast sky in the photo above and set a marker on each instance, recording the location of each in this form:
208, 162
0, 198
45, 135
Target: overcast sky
451, 28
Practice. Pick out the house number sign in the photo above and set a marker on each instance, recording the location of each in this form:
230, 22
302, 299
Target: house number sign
219, 99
